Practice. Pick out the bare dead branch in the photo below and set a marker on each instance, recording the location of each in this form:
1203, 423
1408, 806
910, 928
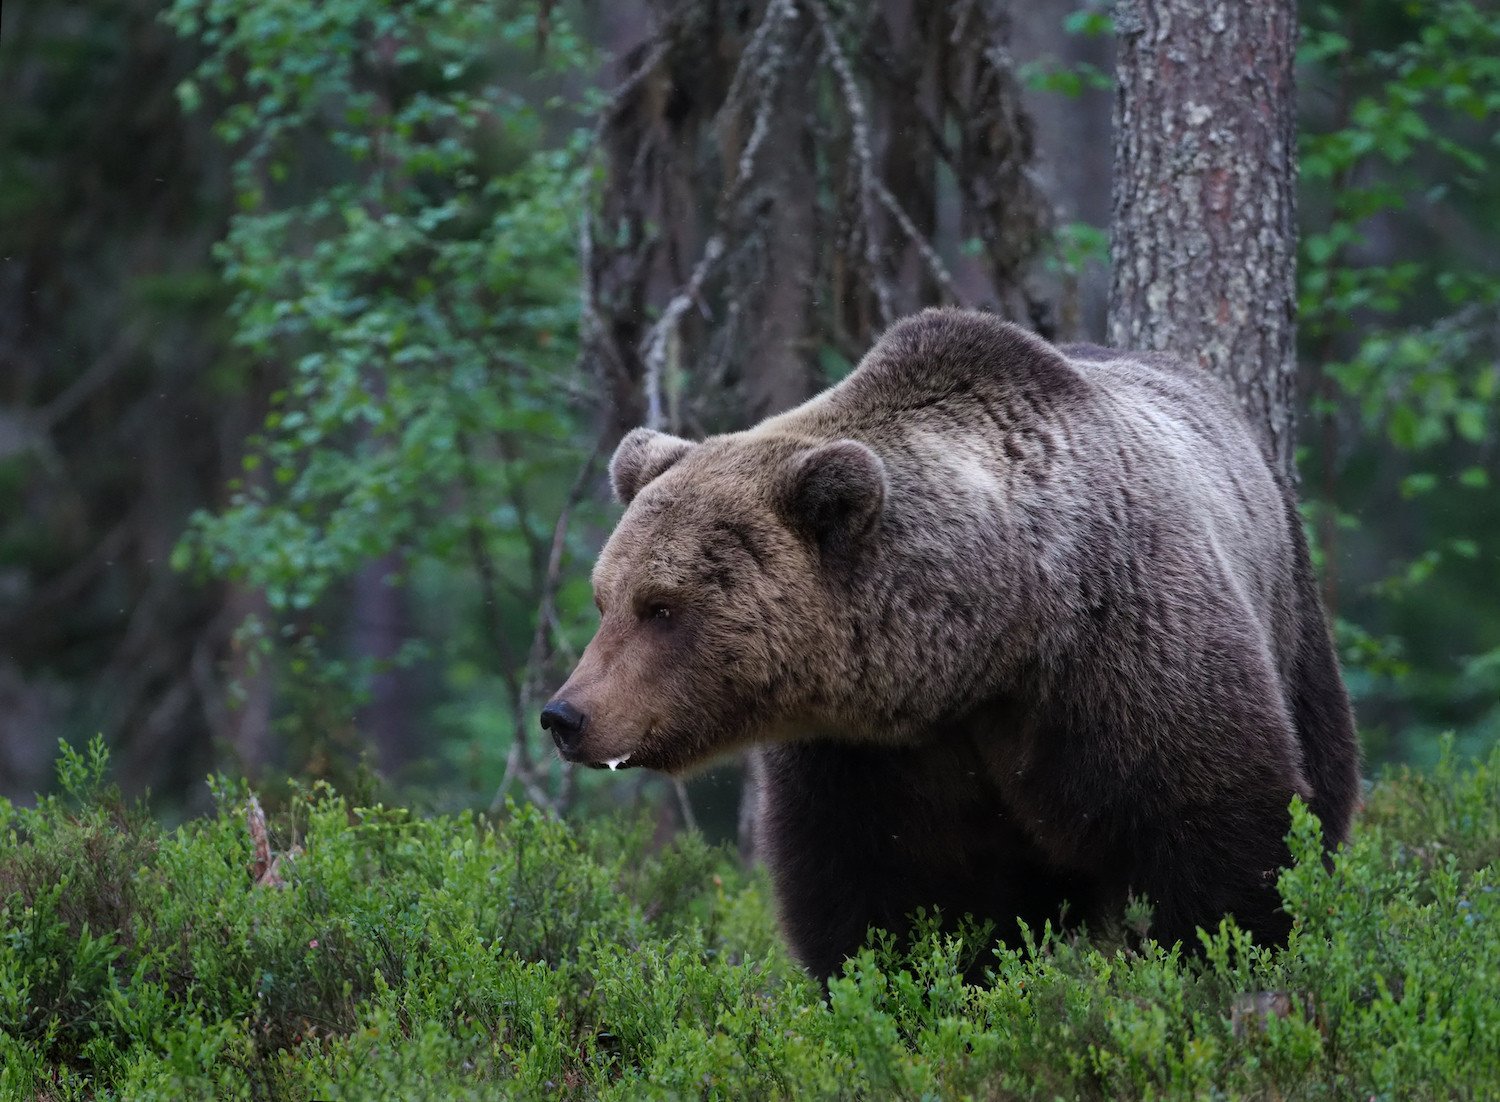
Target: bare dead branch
1251, 1012
548, 600
99, 374
779, 16
519, 766
777, 13
685, 805
859, 124
621, 95
489, 592
265, 866
929, 254
655, 345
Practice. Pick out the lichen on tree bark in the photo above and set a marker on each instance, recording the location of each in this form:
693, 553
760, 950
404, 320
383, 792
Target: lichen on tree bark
1203, 234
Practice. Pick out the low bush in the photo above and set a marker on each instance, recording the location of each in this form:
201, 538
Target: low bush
386, 955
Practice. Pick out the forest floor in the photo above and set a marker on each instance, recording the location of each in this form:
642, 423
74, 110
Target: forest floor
366, 952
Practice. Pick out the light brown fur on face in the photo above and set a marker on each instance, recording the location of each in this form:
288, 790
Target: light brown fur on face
707, 601
1008, 624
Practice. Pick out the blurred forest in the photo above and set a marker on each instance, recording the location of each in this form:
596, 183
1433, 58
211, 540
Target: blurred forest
319, 320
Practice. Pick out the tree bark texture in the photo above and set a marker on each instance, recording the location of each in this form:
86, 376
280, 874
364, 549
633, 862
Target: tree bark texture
380, 622
1203, 236
778, 372
783, 179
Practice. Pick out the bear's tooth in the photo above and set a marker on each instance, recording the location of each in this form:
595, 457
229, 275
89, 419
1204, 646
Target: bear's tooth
615, 763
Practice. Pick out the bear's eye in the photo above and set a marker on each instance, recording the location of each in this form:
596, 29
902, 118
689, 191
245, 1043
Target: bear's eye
659, 611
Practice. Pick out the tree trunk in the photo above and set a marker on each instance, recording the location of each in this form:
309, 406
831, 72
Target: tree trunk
1203, 237
910, 38
779, 360
380, 626
1072, 135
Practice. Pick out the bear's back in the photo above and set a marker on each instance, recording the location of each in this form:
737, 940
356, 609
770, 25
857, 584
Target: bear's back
954, 366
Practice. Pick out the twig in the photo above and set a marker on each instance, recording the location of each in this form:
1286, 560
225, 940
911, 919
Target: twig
265, 867
777, 12
590, 325
654, 345
689, 820
859, 124
489, 611
554, 570
100, 372
758, 131
934, 262
518, 764
630, 84
66, 586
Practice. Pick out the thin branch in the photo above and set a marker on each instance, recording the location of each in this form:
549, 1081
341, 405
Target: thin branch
560, 642
99, 373
265, 866
859, 123
655, 344
548, 599
777, 12
518, 764
590, 324
929, 254
489, 591
685, 805
630, 84
758, 131
514, 772
67, 585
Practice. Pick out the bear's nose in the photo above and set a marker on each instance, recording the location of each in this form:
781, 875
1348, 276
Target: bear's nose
566, 724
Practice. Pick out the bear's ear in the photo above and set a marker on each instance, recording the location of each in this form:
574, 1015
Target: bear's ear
835, 493
642, 456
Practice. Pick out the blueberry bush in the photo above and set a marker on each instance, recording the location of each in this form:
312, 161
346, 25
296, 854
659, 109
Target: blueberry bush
384, 954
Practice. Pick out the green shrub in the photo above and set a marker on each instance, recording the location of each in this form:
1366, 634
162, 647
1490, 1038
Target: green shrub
394, 956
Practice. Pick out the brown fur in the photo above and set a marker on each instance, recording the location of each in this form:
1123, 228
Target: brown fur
1011, 624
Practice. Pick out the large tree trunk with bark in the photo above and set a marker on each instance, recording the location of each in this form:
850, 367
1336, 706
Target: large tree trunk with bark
1203, 237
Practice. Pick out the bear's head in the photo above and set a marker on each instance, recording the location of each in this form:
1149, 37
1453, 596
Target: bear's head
719, 597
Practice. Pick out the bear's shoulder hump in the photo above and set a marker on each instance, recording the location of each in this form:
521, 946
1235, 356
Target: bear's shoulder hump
948, 346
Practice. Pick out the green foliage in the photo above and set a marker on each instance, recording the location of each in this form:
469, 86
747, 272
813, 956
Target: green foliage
1398, 290
1048, 74
467, 958
408, 181
1074, 80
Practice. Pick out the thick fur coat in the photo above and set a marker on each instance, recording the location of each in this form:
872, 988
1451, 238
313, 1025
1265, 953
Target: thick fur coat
1012, 626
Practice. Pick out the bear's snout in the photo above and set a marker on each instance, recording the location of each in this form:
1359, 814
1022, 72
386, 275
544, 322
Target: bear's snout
565, 723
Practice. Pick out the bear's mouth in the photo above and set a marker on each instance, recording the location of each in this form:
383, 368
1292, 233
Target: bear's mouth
612, 764
630, 759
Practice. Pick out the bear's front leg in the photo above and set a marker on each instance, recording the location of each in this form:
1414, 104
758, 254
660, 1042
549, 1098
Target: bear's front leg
857, 836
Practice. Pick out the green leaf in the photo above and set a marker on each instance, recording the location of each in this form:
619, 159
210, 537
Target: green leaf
1475, 478
1415, 485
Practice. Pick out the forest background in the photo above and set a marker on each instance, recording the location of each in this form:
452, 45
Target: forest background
317, 322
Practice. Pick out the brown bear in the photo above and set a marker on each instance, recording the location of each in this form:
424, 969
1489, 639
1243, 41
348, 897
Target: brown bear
1017, 630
